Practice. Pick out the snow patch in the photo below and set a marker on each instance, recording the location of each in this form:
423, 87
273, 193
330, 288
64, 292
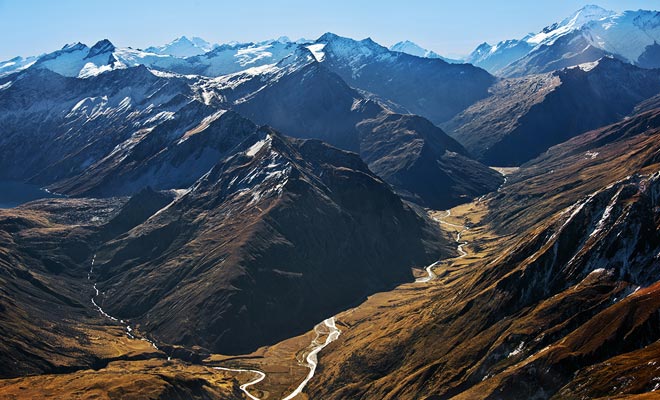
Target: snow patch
159, 117
254, 149
606, 214
517, 350
91, 69
205, 123
317, 51
414, 49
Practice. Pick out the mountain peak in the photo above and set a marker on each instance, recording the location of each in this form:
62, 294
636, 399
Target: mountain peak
594, 8
102, 46
414, 49
606, 63
73, 47
480, 51
328, 37
180, 40
588, 13
484, 46
575, 21
183, 46
350, 48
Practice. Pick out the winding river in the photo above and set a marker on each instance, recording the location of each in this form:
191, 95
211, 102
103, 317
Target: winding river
260, 377
129, 330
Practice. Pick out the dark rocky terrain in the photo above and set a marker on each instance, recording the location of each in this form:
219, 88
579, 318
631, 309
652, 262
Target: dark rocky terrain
429, 87
409, 152
525, 116
79, 121
260, 239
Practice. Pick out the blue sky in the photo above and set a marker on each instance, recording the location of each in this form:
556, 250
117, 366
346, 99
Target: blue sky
30, 27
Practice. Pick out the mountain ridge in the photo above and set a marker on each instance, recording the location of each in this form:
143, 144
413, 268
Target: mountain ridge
585, 36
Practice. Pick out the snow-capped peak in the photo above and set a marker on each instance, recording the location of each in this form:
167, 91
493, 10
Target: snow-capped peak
483, 48
627, 34
183, 47
328, 37
576, 21
69, 47
201, 43
16, 64
283, 39
414, 49
590, 12
344, 47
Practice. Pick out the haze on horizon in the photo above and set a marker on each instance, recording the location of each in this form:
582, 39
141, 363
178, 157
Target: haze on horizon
449, 28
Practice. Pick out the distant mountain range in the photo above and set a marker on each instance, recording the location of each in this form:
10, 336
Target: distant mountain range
585, 36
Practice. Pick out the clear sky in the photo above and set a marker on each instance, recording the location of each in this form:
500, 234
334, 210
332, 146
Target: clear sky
451, 28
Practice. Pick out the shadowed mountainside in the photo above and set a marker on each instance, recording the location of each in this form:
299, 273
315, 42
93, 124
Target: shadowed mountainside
551, 296
525, 116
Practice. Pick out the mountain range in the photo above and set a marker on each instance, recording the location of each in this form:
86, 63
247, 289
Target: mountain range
585, 36
334, 218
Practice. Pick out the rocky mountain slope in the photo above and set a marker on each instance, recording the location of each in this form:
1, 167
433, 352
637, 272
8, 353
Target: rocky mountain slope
54, 126
404, 79
263, 220
302, 98
259, 238
49, 324
258, 244
525, 116
171, 155
559, 283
